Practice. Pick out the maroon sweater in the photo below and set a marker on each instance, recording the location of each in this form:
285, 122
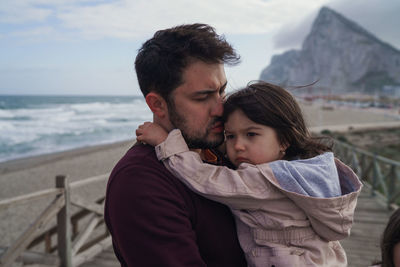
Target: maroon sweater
155, 220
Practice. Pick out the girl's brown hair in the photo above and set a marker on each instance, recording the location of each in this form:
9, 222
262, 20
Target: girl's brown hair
273, 106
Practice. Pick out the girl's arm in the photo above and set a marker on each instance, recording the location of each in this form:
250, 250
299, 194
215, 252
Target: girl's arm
151, 133
247, 187
242, 188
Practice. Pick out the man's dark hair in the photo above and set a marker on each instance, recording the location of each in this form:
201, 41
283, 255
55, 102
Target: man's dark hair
162, 59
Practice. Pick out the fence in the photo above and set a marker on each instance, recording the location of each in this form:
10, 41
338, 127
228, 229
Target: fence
381, 173
74, 246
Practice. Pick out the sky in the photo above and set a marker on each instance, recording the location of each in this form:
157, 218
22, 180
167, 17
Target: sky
87, 47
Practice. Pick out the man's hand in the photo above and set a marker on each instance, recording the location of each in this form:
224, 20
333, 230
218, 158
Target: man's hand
151, 133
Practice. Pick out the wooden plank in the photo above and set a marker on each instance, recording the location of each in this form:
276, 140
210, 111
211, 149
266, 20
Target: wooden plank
84, 235
64, 225
23, 241
96, 262
30, 257
92, 251
90, 180
94, 207
74, 219
29, 197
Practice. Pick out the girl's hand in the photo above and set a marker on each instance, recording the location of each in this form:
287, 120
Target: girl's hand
151, 133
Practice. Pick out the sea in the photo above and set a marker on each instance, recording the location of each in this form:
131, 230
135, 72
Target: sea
37, 125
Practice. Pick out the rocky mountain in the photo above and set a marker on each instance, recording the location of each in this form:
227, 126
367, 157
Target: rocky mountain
341, 55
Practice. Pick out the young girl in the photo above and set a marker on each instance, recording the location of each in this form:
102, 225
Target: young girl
291, 198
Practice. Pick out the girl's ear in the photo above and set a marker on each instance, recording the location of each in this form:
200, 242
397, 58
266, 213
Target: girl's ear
284, 146
157, 104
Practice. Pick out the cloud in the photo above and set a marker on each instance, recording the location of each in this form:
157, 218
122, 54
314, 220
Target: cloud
19, 11
380, 17
127, 19
292, 35
368, 14
36, 32
131, 19
25, 11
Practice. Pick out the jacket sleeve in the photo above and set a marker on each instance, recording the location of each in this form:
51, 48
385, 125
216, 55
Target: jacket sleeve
240, 189
149, 220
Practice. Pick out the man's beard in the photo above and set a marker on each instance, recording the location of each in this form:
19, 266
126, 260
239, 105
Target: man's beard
196, 140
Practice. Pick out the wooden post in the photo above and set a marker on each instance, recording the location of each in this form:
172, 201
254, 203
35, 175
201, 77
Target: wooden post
64, 225
392, 186
47, 243
374, 174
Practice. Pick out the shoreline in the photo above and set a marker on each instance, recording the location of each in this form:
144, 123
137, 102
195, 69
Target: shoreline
338, 119
317, 118
30, 174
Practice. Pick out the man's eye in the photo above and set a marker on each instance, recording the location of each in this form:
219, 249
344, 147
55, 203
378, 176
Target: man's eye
251, 134
229, 136
201, 99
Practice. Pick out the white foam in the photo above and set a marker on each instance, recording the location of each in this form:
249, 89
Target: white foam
50, 128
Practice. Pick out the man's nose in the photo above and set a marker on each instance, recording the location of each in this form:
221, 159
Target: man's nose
218, 108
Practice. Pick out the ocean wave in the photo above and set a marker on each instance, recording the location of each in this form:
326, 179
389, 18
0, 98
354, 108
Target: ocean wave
32, 127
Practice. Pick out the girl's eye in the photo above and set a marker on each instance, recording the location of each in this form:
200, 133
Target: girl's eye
251, 134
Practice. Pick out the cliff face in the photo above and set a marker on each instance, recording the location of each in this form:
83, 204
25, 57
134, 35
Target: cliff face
341, 55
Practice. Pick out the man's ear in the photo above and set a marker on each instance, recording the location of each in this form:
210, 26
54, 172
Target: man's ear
157, 104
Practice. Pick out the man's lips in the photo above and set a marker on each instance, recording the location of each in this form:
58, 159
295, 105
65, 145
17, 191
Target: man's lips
217, 127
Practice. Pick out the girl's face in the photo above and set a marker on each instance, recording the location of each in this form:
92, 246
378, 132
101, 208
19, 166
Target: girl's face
247, 141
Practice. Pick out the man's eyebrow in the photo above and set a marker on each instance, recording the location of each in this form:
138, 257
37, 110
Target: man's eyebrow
223, 86
210, 91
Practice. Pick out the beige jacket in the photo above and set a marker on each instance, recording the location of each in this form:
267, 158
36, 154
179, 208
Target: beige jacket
275, 227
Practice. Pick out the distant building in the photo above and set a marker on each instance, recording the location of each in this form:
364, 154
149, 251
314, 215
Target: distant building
391, 91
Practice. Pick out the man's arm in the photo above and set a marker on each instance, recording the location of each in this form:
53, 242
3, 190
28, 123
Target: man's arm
149, 219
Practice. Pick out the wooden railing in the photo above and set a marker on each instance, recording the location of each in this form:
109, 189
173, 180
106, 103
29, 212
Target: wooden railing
381, 173
75, 244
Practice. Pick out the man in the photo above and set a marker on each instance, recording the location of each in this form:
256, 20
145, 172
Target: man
153, 218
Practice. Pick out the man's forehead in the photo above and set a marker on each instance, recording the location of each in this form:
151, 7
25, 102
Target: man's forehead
202, 68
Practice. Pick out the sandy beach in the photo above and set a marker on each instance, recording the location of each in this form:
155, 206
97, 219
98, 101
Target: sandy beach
319, 117
23, 176
28, 175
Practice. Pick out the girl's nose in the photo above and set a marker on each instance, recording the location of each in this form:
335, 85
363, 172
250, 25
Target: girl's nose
239, 146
